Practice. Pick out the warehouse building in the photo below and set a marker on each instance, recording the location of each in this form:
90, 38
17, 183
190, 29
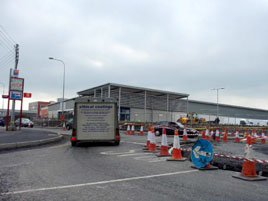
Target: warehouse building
140, 104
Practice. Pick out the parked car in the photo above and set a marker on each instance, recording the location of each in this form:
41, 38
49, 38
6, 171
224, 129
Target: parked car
24, 122
170, 128
69, 124
2, 122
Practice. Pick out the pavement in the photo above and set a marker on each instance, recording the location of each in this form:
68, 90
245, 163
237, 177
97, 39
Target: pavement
27, 137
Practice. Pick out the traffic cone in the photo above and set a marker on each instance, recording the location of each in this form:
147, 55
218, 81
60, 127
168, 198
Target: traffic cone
176, 153
152, 146
207, 133
133, 130
263, 137
185, 137
217, 138
164, 143
225, 137
141, 130
149, 134
63, 126
29, 125
237, 138
128, 130
204, 134
211, 134
253, 136
248, 170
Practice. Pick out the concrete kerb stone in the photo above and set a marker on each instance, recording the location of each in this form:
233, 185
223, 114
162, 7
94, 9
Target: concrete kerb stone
18, 145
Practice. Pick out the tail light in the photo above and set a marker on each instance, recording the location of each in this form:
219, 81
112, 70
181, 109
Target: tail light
73, 134
117, 134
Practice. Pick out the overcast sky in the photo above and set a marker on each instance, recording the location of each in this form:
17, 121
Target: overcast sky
177, 45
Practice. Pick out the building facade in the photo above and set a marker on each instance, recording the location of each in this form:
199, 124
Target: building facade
140, 104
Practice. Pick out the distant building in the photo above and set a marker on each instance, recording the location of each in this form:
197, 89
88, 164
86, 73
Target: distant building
140, 104
37, 106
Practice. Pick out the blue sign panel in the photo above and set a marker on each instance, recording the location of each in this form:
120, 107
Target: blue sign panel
16, 95
202, 153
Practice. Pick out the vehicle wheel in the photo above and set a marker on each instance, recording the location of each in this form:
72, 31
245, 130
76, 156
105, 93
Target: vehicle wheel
73, 144
116, 143
31, 126
157, 133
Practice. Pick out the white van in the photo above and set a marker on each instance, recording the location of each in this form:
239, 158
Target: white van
95, 120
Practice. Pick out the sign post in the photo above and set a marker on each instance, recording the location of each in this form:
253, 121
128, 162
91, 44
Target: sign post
16, 88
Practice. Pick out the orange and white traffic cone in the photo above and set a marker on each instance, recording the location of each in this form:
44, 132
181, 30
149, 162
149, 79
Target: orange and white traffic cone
128, 130
237, 138
141, 130
184, 136
263, 137
248, 170
63, 126
204, 134
225, 137
211, 134
152, 146
164, 143
148, 142
176, 152
217, 138
133, 130
207, 133
253, 136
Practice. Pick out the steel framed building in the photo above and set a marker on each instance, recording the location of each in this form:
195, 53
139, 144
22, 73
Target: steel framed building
149, 105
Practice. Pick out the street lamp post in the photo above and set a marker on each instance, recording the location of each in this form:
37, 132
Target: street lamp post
217, 99
2, 97
63, 82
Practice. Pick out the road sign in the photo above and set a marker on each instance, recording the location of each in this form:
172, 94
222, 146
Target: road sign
15, 95
27, 95
16, 84
62, 117
5, 96
16, 73
202, 153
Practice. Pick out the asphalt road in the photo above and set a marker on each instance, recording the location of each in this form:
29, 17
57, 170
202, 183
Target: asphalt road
105, 172
24, 135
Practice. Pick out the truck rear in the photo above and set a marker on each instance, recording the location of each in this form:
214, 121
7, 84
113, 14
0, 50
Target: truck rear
95, 120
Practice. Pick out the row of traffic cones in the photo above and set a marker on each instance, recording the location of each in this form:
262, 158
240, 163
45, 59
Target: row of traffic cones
208, 136
151, 145
132, 130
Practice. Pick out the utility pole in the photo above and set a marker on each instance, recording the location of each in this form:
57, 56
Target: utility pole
12, 125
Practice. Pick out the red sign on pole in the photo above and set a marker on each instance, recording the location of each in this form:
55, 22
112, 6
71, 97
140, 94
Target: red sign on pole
62, 117
27, 95
5, 96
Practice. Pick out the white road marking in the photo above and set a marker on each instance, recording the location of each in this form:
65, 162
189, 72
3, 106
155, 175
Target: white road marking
98, 183
117, 153
136, 154
158, 160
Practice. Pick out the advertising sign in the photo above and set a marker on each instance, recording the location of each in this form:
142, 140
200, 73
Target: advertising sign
15, 95
16, 84
202, 153
27, 95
